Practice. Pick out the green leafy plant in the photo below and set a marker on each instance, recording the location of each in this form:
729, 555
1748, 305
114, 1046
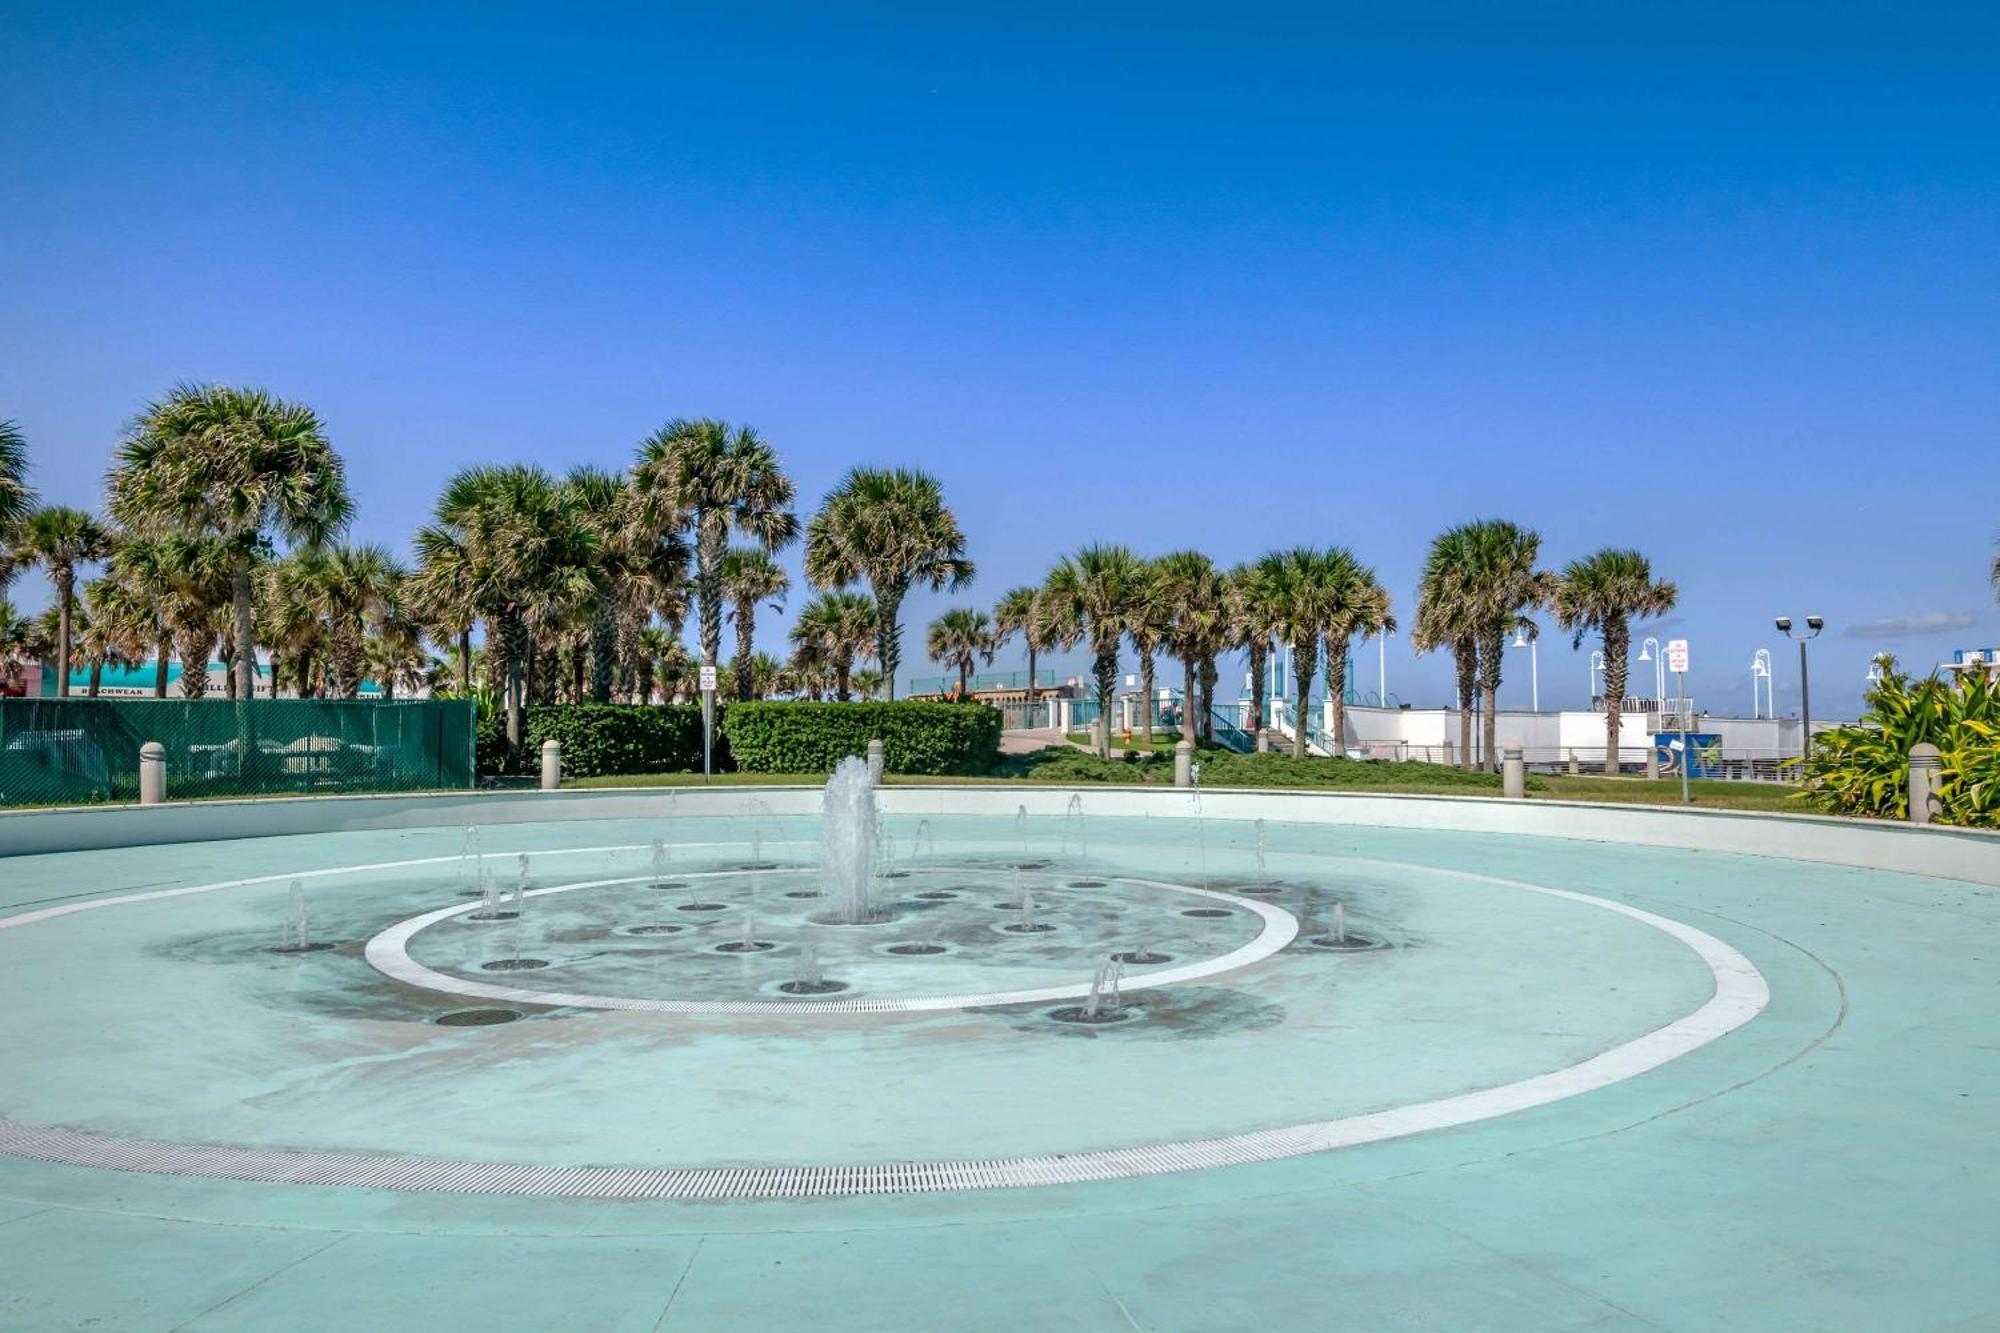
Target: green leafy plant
601, 739
926, 738
1864, 768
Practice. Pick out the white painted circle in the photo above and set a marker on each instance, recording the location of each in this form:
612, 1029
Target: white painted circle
388, 953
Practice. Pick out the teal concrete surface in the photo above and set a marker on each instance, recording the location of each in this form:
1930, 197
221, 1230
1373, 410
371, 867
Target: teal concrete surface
1829, 1165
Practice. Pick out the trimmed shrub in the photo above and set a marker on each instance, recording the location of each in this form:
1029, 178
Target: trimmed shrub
927, 738
600, 739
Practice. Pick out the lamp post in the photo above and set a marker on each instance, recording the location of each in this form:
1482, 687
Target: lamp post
1814, 624
1521, 640
1596, 665
1649, 651
1382, 667
1760, 665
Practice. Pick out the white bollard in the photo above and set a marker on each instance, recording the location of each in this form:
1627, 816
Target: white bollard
875, 761
1652, 763
551, 765
1925, 761
1575, 767
152, 773
1513, 773
1183, 764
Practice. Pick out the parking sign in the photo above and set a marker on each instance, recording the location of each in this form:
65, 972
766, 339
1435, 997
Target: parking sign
1677, 656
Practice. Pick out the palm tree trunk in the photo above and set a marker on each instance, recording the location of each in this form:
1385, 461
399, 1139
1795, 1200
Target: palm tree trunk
194, 648
163, 653
246, 627
1336, 694
1260, 660
514, 636
1492, 647
603, 654
889, 637
1303, 665
1105, 669
964, 676
465, 662
1031, 675
1146, 697
1187, 698
1617, 643
96, 677
746, 636
711, 540
65, 609
1464, 658
843, 677
1208, 677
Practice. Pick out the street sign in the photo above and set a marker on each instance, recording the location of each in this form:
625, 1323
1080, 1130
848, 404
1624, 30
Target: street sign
708, 680
1677, 655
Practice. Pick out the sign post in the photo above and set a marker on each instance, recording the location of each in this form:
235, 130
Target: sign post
707, 720
1677, 662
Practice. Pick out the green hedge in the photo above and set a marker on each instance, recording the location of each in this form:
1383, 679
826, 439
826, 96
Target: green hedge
600, 739
926, 738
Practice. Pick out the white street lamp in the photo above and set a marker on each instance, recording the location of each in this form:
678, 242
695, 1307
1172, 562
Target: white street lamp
1649, 651
1596, 666
1521, 640
1760, 665
1382, 667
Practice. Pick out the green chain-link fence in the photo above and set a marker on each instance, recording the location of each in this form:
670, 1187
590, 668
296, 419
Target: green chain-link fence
65, 751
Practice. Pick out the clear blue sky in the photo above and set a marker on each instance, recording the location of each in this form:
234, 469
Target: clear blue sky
1716, 282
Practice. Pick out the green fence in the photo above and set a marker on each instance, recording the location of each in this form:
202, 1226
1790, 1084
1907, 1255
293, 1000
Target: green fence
66, 751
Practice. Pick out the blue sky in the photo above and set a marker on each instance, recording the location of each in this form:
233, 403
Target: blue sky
1714, 282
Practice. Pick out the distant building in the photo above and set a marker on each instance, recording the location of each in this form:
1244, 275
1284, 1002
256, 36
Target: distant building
1964, 660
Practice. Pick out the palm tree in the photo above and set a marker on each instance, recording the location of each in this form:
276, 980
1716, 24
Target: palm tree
1362, 607
59, 539
836, 629
396, 656
186, 580
359, 590
290, 595
1603, 592
1014, 614
238, 464
956, 638
709, 479
1148, 633
1450, 616
1193, 615
750, 576
1503, 586
445, 595
867, 682
650, 645
14, 633
1089, 598
515, 541
1308, 587
118, 628
890, 527
1250, 628
16, 499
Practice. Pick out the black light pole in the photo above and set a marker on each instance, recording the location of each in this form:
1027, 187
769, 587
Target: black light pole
1815, 624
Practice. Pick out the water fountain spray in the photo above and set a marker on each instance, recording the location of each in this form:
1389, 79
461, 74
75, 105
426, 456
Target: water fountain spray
1263, 879
1021, 827
850, 832
1073, 821
659, 861
298, 932
922, 844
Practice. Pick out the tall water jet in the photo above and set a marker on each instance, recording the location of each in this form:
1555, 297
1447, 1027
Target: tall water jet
1262, 877
1021, 827
1073, 827
1339, 930
297, 936
922, 844
470, 862
659, 862
850, 831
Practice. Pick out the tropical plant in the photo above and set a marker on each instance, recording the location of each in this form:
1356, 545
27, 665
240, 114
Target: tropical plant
397, 658
118, 628
1604, 592
706, 478
186, 580
1014, 614
1448, 617
1503, 586
957, 638
1863, 768
1250, 627
1193, 613
1361, 607
237, 465
358, 591
750, 576
512, 541
891, 528
60, 538
835, 630
1308, 588
867, 683
1147, 632
1089, 598
16, 499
